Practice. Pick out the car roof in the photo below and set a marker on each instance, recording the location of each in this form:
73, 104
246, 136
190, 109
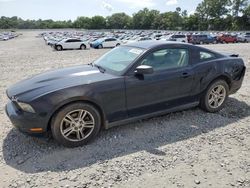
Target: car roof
152, 44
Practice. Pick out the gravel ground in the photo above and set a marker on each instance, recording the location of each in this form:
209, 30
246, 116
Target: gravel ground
184, 149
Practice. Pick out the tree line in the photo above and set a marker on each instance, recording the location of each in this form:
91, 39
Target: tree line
209, 15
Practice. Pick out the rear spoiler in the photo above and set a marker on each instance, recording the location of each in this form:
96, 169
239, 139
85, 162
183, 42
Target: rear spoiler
231, 55
234, 55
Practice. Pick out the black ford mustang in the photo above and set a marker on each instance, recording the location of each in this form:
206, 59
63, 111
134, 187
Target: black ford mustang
130, 82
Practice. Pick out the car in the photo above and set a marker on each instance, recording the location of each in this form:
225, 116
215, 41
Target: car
202, 39
70, 43
243, 38
178, 38
226, 38
131, 82
106, 42
137, 39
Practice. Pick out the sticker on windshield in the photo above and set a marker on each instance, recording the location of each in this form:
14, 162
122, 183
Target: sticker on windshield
135, 51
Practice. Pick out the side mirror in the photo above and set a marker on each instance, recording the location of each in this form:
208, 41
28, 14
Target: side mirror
144, 69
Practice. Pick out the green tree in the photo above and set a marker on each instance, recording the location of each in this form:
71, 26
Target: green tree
119, 21
144, 18
98, 22
82, 22
238, 6
210, 11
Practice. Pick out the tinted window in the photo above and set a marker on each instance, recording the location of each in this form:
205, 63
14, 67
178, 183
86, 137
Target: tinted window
167, 59
204, 56
69, 40
179, 36
107, 40
77, 40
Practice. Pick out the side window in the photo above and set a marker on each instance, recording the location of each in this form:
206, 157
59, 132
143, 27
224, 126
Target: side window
167, 59
205, 56
111, 39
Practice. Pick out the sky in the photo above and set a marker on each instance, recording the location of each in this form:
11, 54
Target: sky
71, 9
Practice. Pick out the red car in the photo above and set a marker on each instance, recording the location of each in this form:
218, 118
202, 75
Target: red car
226, 38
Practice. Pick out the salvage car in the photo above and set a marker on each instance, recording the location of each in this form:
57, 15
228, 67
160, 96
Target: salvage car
178, 38
202, 39
226, 38
105, 42
243, 38
70, 44
130, 82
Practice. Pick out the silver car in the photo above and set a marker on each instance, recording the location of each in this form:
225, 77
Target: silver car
243, 38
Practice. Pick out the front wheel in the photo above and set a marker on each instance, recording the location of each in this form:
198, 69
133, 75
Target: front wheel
215, 96
76, 124
59, 48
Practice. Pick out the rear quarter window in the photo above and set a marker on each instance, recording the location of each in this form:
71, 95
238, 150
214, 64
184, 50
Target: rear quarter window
206, 56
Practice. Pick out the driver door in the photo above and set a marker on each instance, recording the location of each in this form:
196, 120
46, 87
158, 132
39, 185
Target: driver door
170, 83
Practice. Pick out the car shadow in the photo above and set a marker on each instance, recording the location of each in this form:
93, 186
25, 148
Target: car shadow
33, 155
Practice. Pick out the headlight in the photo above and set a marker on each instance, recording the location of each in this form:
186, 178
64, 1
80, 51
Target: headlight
26, 107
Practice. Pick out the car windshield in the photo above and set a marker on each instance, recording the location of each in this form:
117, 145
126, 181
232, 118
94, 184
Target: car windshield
118, 59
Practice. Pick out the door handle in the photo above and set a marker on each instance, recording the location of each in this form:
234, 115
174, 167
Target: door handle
185, 75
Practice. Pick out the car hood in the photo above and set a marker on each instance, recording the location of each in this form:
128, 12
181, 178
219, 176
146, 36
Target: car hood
42, 84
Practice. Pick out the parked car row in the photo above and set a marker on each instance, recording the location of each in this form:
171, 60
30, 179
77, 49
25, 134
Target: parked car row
4, 36
97, 39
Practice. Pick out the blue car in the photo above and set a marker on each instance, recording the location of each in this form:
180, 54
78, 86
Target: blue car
105, 42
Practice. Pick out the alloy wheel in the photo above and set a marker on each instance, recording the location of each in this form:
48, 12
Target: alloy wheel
217, 96
77, 125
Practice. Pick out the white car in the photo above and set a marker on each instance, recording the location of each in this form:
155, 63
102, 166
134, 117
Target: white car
139, 39
70, 44
178, 38
243, 38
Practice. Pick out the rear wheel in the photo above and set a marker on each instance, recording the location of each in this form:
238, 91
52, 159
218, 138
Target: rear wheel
118, 44
76, 124
83, 47
215, 96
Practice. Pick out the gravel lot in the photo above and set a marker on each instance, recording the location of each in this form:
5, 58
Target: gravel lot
184, 149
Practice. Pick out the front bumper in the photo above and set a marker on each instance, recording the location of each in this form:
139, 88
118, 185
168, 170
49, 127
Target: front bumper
24, 121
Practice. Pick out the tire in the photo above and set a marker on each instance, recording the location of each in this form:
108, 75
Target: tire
206, 100
201, 42
83, 47
100, 46
59, 48
69, 130
118, 44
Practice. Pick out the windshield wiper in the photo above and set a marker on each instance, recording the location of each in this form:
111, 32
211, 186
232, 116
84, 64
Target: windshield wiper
101, 69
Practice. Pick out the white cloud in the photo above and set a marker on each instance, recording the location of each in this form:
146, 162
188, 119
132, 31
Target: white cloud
138, 3
107, 6
171, 2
